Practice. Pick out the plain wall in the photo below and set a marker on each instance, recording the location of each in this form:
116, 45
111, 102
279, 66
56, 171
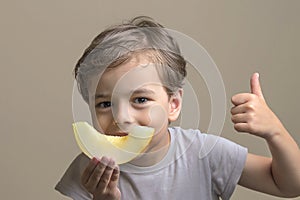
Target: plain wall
42, 40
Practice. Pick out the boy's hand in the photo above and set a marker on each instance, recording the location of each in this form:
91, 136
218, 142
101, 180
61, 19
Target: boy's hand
100, 178
251, 113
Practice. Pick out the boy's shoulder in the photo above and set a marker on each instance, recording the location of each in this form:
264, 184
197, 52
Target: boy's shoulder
204, 143
190, 135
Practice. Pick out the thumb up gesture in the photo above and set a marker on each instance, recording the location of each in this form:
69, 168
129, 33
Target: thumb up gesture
251, 113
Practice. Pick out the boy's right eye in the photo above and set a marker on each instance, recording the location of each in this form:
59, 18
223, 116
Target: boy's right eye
105, 104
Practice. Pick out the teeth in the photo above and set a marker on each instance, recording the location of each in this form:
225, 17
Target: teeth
119, 135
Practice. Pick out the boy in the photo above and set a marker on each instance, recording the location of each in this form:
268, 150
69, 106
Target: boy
133, 74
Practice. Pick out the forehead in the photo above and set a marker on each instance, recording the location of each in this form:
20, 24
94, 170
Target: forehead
136, 73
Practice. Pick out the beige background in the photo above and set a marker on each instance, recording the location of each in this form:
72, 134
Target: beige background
41, 41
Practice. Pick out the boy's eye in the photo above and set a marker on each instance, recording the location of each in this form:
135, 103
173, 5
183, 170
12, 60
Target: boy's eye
105, 104
140, 100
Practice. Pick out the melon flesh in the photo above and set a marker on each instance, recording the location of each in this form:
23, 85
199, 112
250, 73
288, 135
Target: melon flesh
121, 148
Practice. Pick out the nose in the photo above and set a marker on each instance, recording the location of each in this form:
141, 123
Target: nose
121, 113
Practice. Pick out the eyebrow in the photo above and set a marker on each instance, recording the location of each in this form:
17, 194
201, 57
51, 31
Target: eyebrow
135, 92
102, 95
143, 91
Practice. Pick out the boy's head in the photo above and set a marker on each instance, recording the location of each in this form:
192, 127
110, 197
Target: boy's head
120, 43
138, 69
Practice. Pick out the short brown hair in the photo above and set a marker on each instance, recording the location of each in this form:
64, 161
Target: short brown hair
119, 43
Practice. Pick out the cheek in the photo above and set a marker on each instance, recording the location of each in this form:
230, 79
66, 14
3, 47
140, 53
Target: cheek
157, 117
101, 122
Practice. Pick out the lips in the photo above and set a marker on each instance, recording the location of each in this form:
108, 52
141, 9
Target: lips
118, 131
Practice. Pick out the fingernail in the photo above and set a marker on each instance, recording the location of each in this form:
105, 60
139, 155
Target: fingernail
104, 160
111, 163
95, 160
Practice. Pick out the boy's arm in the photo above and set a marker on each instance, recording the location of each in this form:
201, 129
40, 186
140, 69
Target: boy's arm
279, 175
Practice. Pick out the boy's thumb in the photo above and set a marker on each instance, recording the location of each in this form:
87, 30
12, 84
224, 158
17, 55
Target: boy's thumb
255, 85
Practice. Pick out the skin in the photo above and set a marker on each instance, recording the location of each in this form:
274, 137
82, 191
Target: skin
279, 175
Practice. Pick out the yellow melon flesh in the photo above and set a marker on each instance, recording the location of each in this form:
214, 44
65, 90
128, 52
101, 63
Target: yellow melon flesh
121, 149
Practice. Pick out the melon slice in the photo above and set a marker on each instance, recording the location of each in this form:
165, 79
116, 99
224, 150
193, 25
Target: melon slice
121, 148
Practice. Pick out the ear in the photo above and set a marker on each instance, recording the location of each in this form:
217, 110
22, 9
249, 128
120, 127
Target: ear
175, 103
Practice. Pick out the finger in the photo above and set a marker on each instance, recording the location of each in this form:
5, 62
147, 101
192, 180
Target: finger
106, 176
240, 118
247, 107
89, 170
242, 127
242, 98
114, 177
97, 174
238, 109
255, 85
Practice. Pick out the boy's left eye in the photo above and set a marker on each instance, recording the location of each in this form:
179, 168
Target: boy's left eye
140, 100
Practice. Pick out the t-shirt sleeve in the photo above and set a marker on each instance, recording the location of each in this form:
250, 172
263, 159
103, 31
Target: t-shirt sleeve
70, 185
227, 160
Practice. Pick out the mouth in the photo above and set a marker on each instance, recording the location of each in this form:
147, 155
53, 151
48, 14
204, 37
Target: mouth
121, 134
118, 134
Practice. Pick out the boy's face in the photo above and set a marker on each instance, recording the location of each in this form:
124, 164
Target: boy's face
132, 94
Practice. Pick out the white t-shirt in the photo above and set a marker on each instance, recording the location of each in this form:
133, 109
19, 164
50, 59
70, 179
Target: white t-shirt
197, 166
